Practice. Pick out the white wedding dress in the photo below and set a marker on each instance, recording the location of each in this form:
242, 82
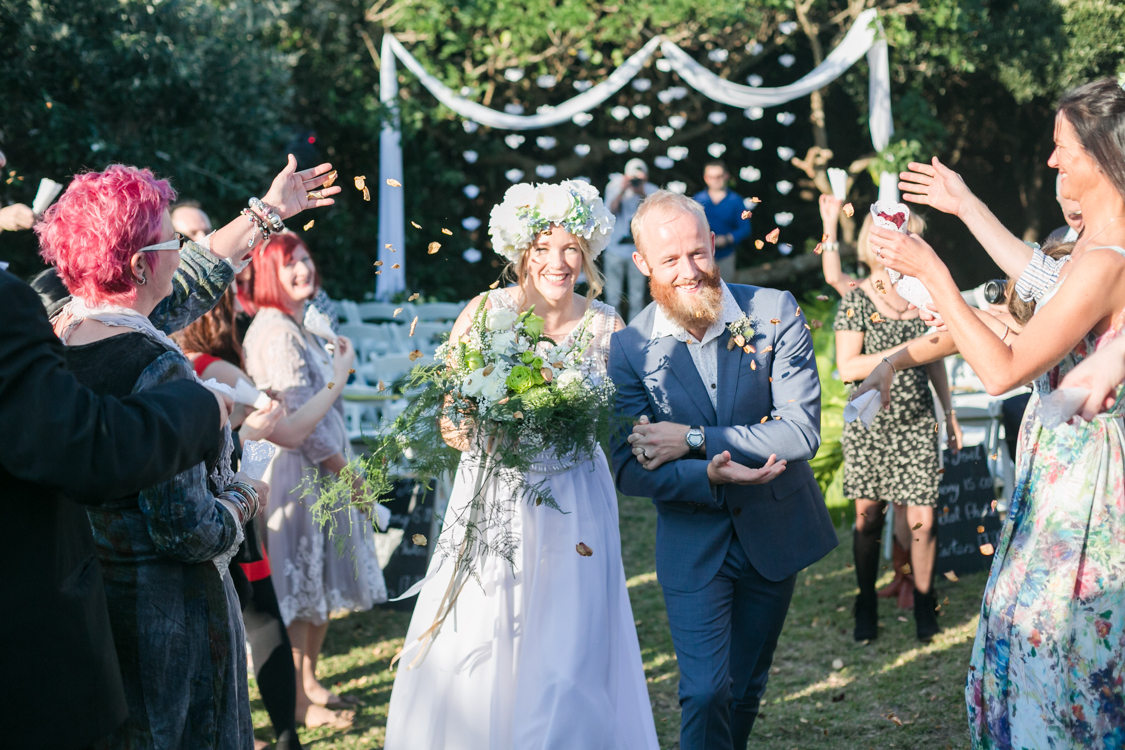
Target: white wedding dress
543, 656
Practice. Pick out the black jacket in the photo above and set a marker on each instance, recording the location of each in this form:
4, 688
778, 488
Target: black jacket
61, 686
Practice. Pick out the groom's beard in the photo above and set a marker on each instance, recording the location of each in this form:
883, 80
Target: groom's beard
695, 311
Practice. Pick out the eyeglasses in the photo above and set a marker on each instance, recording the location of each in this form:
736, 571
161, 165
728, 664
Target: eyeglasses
176, 243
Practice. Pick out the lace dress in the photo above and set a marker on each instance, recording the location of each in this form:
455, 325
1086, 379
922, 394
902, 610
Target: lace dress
544, 655
1046, 667
315, 571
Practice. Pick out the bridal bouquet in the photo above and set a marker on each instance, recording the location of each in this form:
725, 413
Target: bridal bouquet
521, 404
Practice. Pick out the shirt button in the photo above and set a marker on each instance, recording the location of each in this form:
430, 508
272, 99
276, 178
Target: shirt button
712, 385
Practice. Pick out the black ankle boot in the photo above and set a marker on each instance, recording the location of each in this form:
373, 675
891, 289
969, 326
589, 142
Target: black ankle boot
925, 615
865, 547
866, 617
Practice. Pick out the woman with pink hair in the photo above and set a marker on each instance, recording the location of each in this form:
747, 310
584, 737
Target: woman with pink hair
176, 621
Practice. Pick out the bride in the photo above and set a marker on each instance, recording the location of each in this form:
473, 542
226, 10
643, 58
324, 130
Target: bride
541, 653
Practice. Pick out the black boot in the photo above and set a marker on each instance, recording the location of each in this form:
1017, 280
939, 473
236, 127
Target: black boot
865, 548
925, 615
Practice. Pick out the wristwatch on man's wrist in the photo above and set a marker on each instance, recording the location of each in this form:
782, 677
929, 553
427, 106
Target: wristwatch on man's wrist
694, 439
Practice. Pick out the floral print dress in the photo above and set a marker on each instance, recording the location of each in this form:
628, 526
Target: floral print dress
1046, 667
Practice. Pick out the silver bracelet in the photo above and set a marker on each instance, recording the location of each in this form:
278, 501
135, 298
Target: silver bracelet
269, 213
830, 247
892, 364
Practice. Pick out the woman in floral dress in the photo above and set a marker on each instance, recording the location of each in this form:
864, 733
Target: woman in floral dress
1046, 669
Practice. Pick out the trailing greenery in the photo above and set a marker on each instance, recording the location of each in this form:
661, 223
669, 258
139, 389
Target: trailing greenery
828, 464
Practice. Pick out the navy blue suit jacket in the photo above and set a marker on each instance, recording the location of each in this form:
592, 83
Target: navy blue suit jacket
784, 525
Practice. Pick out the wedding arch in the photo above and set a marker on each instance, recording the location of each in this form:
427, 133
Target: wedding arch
864, 38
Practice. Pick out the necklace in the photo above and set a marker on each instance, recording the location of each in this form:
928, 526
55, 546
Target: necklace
1095, 234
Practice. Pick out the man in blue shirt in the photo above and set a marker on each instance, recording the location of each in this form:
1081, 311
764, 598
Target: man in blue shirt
724, 213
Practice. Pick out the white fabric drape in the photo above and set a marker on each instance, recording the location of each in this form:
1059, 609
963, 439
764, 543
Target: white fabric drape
864, 38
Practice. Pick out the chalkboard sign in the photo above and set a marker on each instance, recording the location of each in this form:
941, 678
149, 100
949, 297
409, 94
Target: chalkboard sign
966, 516
412, 512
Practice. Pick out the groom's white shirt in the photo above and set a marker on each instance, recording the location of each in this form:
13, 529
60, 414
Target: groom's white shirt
705, 353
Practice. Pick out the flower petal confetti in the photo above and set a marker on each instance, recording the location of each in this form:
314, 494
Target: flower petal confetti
309, 226
413, 297
848, 210
393, 182
329, 179
747, 214
980, 529
583, 549
775, 321
494, 284
331, 386
382, 386
396, 312
396, 265
951, 576
772, 236
378, 263
879, 286
759, 244
764, 420
366, 194
876, 318
413, 325
986, 549
433, 247
360, 182
419, 540
446, 231
416, 354
416, 225
851, 313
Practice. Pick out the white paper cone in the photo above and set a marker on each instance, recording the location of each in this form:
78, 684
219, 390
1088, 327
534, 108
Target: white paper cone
838, 179
864, 408
244, 393
45, 195
318, 324
223, 388
256, 457
262, 401
382, 516
1058, 407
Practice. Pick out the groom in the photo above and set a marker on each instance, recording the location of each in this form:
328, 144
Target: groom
709, 417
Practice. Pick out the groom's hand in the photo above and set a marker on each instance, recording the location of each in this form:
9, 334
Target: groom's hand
721, 470
655, 444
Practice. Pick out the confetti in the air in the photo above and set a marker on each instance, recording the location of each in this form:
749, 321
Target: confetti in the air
876, 318
764, 420
396, 265
980, 529
416, 354
413, 325
775, 321
759, 244
446, 231
393, 182
378, 263
416, 225
851, 283
906, 569
433, 248
366, 194
517, 415
986, 549
951, 576
309, 226
818, 249
413, 297
494, 284
851, 313
747, 214
351, 371
331, 386
916, 526
583, 549
382, 386
360, 182
824, 238
396, 312
419, 540
331, 178
822, 297
772, 236
753, 365
848, 210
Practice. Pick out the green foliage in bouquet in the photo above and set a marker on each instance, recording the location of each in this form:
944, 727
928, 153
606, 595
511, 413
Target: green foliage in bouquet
517, 401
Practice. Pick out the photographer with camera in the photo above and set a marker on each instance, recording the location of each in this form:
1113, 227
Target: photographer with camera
623, 195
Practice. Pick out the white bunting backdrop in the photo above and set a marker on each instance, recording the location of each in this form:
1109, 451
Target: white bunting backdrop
864, 38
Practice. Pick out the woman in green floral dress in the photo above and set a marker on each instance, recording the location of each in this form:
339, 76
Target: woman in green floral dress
1046, 668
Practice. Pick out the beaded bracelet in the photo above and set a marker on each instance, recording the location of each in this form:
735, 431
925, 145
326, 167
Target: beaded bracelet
257, 223
269, 213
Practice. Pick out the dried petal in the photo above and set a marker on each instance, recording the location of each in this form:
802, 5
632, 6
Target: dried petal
413, 325
851, 313
773, 235
393, 182
583, 549
951, 576
851, 283
360, 182
416, 225
446, 231
849, 211
759, 244
351, 371
818, 249
413, 297
739, 340
906, 569
389, 246
433, 247
753, 365
548, 376
986, 549
879, 286
797, 314
824, 238
419, 539
366, 194
329, 179
331, 386
941, 471
876, 318
775, 321
816, 324
309, 226
980, 529
822, 297
916, 526
764, 420
768, 349
494, 284
504, 400
837, 663
416, 355
749, 350
807, 327
396, 265
747, 214
382, 386
517, 415
396, 312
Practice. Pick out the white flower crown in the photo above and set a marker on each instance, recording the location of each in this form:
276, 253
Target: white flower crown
529, 209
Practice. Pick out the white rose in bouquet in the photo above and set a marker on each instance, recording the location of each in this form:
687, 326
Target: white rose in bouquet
495, 385
474, 384
504, 342
569, 377
554, 202
500, 319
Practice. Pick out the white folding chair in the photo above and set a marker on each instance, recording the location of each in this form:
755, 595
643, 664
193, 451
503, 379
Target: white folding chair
385, 311
348, 310
370, 340
434, 311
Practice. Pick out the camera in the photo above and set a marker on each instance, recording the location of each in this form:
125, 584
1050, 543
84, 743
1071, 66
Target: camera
994, 291
637, 183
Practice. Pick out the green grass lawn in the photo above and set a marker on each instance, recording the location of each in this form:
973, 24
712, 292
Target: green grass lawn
891, 693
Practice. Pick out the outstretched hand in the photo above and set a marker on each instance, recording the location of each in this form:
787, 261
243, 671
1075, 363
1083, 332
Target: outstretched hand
722, 470
934, 185
289, 193
905, 252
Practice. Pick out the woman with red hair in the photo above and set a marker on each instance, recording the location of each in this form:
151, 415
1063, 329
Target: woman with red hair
316, 570
164, 552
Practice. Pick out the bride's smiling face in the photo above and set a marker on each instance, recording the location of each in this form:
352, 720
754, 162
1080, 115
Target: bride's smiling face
554, 262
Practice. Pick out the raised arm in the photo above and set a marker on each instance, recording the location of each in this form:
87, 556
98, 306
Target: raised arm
939, 187
830, 263
64, 437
